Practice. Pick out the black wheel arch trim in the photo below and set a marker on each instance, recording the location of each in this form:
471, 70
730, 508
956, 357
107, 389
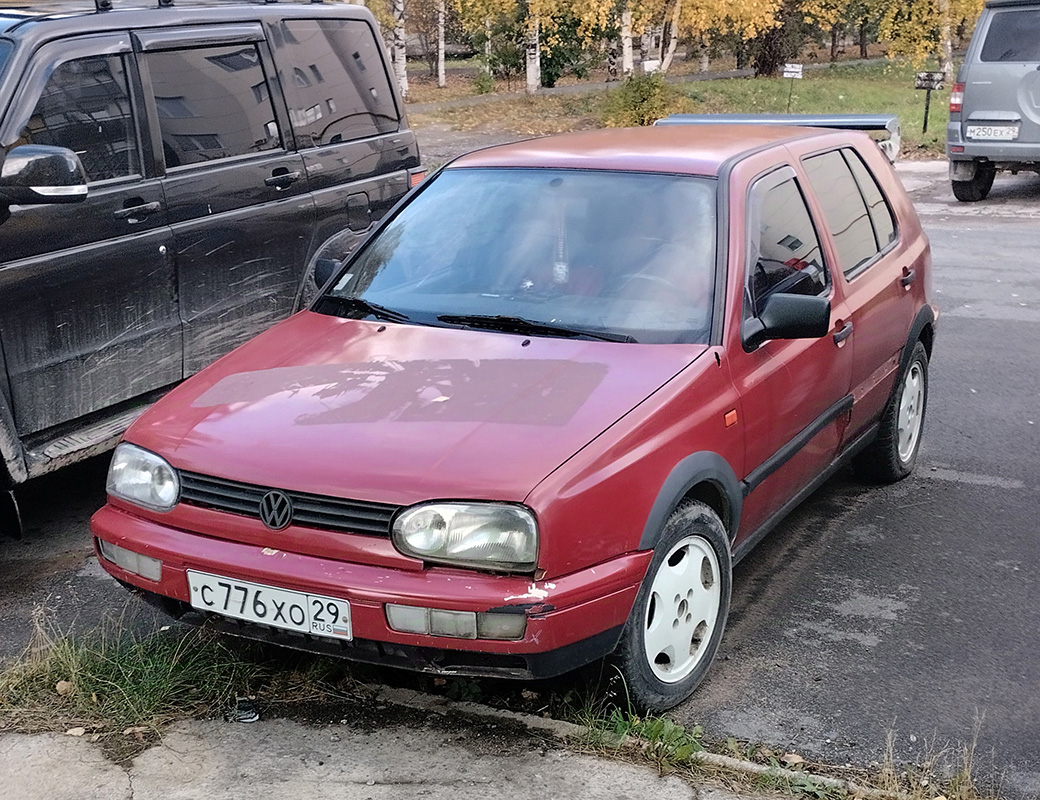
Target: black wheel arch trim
925, 317
701, 467
14, 470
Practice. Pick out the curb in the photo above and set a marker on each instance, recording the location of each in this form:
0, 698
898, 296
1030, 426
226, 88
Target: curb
419, 701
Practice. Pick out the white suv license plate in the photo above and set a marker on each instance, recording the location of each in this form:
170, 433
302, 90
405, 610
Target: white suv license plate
279, 608
1000, 133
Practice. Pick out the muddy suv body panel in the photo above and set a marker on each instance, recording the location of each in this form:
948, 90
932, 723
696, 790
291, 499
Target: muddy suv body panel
217, 147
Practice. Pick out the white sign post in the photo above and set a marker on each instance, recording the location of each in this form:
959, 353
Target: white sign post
794, 72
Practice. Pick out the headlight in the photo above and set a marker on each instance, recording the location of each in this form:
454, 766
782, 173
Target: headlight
143, 478
488, 535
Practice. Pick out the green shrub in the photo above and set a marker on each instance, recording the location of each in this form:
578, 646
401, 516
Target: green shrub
483, 83
642, 100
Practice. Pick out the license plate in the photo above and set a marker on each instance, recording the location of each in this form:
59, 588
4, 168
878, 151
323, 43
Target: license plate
1003, 133
279, 608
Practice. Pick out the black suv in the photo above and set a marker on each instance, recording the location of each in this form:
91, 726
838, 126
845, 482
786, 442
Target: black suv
166, 176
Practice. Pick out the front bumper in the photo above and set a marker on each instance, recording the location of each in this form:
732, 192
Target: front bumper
571, 620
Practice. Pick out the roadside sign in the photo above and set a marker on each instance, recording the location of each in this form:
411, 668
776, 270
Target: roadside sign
792, 70
928, 80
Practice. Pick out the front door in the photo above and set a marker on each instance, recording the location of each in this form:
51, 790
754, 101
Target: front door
88, 300
793, 392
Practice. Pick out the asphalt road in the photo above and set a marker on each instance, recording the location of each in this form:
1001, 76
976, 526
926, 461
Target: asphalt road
914, 610
911, 610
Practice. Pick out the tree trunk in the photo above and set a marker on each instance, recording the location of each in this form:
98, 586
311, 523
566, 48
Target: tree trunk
705, 54
626, 43
945, 42
534, 61
442, 80
487, 45
399, 54
671, 31
863, 38
835, 32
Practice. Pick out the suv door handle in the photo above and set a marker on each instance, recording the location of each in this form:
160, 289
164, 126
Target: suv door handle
843, 334
136, 213
909, 275
282, 179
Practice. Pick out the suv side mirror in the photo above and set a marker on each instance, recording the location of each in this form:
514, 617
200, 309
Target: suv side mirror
35, 173
788, 316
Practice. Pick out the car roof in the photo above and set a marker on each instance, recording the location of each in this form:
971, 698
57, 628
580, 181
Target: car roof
63, 18
690, 150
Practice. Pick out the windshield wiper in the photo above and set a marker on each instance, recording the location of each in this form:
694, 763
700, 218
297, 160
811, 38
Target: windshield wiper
507, 324
367, 307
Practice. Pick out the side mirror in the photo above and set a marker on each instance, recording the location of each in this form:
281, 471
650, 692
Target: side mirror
324, 268
35, 173
788, 316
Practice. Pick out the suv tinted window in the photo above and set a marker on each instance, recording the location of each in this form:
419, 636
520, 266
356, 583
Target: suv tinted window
85, 107
1013, 36
5, 50
212, 103
337, 86
784, 253
844, 209
880, 213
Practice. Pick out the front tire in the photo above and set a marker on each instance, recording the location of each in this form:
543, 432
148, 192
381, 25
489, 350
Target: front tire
976, 189
892, 455
676, 624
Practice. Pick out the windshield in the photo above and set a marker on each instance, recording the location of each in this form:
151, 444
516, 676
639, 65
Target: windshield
624, 256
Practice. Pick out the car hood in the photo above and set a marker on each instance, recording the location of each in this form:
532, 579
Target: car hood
401, 413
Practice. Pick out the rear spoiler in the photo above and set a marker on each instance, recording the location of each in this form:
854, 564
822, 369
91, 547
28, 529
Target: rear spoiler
848, 122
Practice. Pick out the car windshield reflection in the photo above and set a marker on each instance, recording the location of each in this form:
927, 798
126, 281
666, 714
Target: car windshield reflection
625, 256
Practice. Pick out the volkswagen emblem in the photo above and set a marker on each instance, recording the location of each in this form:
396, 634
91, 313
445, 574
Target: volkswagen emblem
276, 510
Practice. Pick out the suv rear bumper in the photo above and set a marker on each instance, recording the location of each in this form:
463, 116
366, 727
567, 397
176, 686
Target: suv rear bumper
571, 620
1000, 153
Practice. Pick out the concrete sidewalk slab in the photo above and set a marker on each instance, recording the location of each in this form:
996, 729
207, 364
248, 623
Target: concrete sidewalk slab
284, 759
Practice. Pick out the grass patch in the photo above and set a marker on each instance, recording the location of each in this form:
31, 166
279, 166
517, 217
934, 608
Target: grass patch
876, 87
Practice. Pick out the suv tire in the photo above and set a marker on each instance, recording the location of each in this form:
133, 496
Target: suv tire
978, 187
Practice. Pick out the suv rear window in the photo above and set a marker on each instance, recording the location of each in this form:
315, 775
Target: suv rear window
1013, 36
5, 50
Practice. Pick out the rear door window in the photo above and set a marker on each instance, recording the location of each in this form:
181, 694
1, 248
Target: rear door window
335, 81
880, 214
212, 103
844, 209
1013, 36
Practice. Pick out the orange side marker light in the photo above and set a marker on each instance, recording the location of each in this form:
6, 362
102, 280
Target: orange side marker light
731, 418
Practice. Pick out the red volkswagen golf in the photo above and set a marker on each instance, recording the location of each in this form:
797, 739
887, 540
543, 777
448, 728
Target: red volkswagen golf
539, 414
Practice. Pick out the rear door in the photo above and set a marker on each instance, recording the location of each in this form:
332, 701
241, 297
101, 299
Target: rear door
878, 269
236, 191
88, 298
347, 123
1002, 84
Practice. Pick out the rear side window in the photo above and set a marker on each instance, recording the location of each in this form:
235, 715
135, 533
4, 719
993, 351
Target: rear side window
880, 213
85, 107
1013, 36
212, 103
334, 80
5, 51
844, 209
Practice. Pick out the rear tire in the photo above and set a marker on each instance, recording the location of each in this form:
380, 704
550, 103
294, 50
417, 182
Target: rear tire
892, 455
677, 620
978, 187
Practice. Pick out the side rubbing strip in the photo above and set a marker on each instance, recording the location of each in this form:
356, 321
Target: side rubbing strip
789, 450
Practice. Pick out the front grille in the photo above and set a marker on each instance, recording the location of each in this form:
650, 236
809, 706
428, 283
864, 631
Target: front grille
309, 510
